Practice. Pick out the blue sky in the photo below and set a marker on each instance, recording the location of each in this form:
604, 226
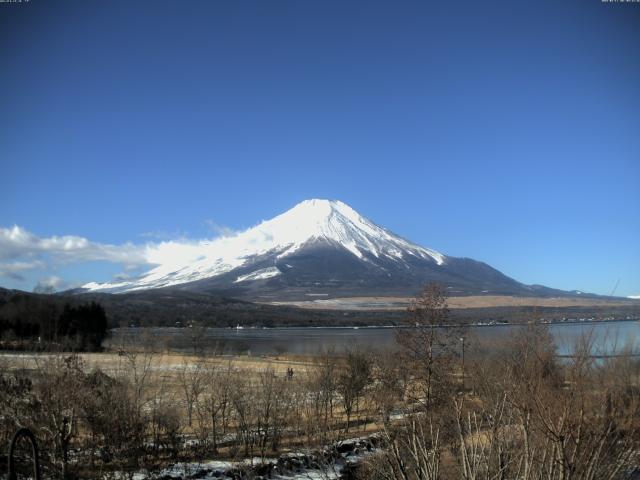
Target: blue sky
503, 131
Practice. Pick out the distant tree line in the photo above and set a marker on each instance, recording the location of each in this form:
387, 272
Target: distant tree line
172, 307
40, 322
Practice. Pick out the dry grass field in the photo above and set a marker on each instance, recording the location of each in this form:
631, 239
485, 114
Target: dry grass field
167, 364
477, 301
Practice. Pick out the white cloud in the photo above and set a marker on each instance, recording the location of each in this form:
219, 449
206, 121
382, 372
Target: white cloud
49, 284
18, 243
15, 269
163, 235
635, 297
121, 277
220, 230
21, 252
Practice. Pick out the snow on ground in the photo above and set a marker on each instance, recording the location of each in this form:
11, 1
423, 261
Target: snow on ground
289, 466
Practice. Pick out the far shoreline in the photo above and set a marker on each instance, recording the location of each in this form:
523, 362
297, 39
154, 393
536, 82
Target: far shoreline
371, 327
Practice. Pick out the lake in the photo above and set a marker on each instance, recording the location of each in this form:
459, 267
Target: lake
608, 337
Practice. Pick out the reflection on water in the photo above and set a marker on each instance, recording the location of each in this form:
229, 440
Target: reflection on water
606, 337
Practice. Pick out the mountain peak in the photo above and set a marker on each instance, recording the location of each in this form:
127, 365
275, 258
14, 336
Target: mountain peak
311, 222
320, 208
313, 218
318, 202
336, 222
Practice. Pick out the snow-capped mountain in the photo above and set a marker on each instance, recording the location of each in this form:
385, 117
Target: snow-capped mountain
317, 248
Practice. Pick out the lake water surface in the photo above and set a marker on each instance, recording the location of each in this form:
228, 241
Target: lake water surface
607, 337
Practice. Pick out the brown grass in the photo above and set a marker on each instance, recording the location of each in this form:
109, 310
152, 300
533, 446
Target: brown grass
474, 301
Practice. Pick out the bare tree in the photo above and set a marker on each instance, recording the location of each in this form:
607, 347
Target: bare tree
18, 401
322, 387
196, 335
191, 377
352, 381
215, 409
244, 407
61, 387
135, 367
390, 380
536, 418
428, 346
111, 420
413, 451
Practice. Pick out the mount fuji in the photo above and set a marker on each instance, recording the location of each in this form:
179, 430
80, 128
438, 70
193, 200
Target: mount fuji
319, 249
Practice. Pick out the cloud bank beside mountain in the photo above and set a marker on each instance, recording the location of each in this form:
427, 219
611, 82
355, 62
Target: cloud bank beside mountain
26, 257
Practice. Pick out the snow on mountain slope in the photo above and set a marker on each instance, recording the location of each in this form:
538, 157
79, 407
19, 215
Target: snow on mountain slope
310, 221
259, 274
